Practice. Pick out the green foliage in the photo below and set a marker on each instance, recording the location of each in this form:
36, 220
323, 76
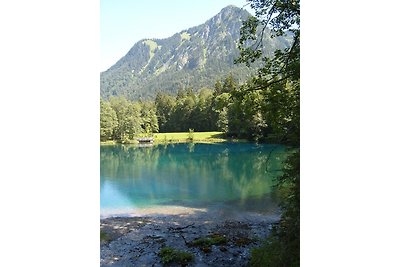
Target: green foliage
278, 84
123, 120
220, 107
129, 119
222, 122
191, 135
205, 243
149, 118
226, 108
105, 237
108, 121
165, 105
247, 118
183, 137
186, 110
171, 255
268, 254
282, 247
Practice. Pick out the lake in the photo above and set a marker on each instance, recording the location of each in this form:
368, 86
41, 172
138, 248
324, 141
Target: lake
237, 176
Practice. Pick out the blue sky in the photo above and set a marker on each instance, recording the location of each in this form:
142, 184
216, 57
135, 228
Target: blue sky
124, 22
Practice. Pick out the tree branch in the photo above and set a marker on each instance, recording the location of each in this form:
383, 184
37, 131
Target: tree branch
268, 84
289, 53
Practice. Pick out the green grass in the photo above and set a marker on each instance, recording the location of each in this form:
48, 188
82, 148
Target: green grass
185, 36
108, 142
184, 137
152, 44
205, 243
169, 255
105, 237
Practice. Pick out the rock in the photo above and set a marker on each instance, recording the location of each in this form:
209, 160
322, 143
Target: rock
140, 243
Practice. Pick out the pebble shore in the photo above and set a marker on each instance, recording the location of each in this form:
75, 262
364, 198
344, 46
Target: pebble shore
137, 240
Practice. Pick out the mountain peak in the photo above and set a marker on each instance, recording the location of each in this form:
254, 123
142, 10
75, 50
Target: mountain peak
233, 9
230, 10
228, 7
229, 14
195, 58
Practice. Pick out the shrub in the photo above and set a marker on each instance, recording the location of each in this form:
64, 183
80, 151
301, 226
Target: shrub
169, 255
205, 243
191, 135
105, 237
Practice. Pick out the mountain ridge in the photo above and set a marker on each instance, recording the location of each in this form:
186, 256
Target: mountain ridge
195, 57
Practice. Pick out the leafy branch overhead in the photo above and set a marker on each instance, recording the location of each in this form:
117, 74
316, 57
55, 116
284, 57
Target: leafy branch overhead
278, 18
278, 81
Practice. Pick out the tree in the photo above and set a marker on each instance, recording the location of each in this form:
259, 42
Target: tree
229, 84
278, 81
204, 118
279, 78
108, 121
218, 88
149, 117
164, 107
129, 119
221, 105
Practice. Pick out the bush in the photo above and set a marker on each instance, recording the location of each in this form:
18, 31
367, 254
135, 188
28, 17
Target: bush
282, 247
169, 255
191, 134
105, 237
205, 243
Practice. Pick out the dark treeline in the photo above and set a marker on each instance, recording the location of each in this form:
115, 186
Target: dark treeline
223, 108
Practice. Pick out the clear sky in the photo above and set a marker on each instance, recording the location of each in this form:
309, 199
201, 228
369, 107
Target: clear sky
124, 22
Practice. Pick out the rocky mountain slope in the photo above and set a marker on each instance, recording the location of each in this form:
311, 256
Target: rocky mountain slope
194, 58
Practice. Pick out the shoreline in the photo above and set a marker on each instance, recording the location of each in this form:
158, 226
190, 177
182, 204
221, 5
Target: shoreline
178, 141
183, 137
137, 240
221, 211
154, 211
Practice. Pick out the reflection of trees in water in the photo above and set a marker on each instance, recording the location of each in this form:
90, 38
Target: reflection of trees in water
122, 161
191, 171
247, 173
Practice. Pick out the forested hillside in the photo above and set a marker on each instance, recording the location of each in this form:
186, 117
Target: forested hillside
193, 58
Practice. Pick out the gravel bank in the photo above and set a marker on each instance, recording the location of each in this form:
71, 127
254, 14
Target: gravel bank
136, 241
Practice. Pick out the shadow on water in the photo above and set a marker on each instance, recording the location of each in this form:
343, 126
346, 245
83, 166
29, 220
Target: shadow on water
225, 176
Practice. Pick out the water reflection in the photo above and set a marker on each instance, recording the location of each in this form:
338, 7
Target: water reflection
193, 175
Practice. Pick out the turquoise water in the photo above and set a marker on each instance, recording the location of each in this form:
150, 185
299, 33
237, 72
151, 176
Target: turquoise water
237, 175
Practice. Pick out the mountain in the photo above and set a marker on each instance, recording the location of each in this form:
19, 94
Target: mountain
194, 58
